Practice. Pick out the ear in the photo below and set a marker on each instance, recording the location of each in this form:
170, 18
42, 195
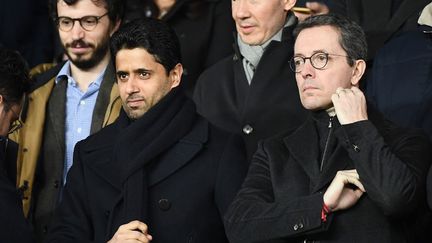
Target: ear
115, 27
358, 71
175, 75
289, 4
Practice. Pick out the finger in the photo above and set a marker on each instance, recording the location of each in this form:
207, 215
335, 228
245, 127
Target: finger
357, 183
355, 89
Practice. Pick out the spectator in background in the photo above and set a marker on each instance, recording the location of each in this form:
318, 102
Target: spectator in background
67, 103
14, 82
346, 174
25, 26
401, 80
253, 92
204, 27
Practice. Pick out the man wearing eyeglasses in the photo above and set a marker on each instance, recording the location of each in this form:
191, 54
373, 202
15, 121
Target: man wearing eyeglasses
67, 103
346, 174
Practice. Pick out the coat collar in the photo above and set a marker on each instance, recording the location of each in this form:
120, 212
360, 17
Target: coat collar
99, 151
303, 147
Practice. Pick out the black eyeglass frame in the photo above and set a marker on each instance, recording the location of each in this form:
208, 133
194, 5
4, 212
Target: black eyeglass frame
17, 124
293, 66
96, 19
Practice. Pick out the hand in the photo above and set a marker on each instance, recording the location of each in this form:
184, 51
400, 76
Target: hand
350, 105
344, 191
134, 231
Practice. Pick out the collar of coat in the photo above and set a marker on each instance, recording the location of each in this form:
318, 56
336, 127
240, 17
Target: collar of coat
303, 146
118, 151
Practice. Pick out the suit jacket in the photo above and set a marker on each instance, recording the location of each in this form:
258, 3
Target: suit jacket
204, 29
376, 19
189, 188
282, 196
270, 105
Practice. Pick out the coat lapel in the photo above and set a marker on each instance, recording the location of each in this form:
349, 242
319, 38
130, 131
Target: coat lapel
100, 152
302, 150
103, 99
180, 154
56, 106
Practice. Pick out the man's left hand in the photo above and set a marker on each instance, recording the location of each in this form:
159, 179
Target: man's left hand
350, 105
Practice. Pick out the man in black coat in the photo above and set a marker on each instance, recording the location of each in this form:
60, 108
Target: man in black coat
345, 175
14, 82
160, 172
253, 92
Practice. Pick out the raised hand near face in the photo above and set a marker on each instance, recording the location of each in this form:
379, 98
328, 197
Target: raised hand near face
350, 105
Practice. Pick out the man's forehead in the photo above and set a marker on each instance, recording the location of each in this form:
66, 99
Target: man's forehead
84, 6
317, 39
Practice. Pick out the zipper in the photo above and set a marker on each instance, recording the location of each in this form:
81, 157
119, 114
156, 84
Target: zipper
330, 127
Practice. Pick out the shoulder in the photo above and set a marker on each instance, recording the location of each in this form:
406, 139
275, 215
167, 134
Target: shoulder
215, 77
104, 137
43, 74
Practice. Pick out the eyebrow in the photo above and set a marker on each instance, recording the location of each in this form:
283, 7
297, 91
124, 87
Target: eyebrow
314, 51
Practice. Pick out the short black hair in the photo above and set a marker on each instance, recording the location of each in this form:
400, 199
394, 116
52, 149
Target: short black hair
14, 76
115, 8
352, 37
153, 35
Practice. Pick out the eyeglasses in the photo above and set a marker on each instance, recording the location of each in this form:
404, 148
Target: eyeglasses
17, 124
318, 60
87, 22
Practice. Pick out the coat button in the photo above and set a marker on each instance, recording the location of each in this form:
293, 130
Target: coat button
296, 227
247, 129
164, 204
56, 184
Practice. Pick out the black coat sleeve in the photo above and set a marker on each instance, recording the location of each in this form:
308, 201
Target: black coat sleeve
255, 216
392, 165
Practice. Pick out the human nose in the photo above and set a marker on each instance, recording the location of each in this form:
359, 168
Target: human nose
77, 30
307, 70
131, 86
240, 9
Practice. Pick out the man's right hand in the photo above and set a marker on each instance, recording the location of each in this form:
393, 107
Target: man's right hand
344, 191
134, 231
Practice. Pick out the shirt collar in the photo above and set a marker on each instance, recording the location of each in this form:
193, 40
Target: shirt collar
65, 74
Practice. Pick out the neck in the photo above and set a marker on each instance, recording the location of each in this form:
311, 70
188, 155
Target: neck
85, 77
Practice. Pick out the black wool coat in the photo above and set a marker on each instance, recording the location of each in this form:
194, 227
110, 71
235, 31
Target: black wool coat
190, 186
270, 105
282, 196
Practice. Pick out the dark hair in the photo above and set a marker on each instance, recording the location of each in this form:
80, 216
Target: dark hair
14, 76
352, 37
115, 7
153, 35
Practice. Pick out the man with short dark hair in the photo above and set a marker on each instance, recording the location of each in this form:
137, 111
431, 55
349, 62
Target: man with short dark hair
160, 172
14, 82
346, 174
67, 103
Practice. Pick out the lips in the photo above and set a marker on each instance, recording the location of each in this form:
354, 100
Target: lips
79, 47
134, 102
246, 28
